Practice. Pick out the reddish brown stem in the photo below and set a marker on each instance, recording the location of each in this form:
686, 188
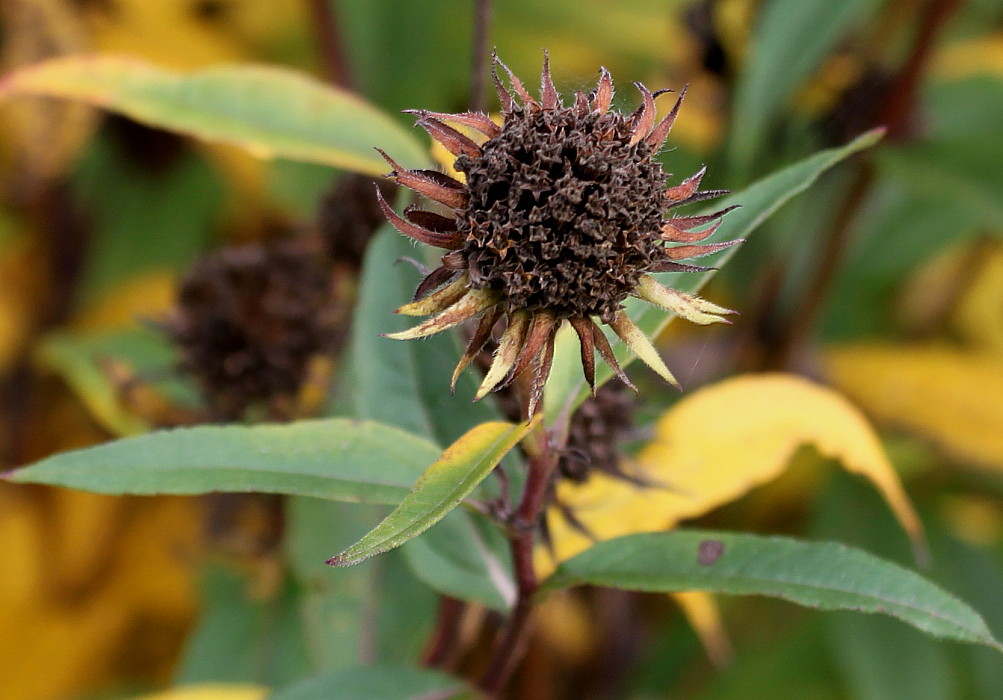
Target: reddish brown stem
897, 113
900, 104
513, 638
441, 645
329, 43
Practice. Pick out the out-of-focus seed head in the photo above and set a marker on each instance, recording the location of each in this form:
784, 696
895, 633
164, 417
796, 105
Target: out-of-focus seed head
248, 321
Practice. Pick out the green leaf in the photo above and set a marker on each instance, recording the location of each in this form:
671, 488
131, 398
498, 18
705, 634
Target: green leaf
143, 219
77, 357
464, 561
566, 388
376, 683
457, 558
822, 575
365, 614
440, 489
340, 459
271, 112
791, 39
965, 173
242, 640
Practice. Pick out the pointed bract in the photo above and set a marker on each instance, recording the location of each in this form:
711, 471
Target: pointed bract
474, 120
684, 252
548, 93
687, 306
541, 328
645, 118
637, 341
433, 280
608, 356
433, 185
451, 139
471, 304
603, 93
437, 300
661, 132
517, 85
477, 342
430, 220
673, 234
583, 327
508, 350
449, 241
686, 188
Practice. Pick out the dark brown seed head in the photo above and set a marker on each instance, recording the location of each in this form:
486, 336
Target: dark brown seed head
564, 212
561, 216
248, 320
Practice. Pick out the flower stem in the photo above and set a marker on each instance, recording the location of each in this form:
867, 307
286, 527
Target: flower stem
441, 647
513, 638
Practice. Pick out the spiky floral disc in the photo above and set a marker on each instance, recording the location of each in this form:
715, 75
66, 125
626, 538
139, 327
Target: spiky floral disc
560, 219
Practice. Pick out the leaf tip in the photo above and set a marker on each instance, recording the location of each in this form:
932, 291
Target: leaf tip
335, 561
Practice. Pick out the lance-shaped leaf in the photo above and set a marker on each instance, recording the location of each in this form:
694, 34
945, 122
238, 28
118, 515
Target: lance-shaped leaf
567, 388
272, 112
440, 489
340, 459
823, 575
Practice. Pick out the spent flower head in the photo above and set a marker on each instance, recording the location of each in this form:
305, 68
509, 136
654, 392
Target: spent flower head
561, 218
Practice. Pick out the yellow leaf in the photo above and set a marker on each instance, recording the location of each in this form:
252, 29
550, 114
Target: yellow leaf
715, 446
41, 137
949, 396
981, 56
178, 33
978, 313
702, 613
211, 691
146, 296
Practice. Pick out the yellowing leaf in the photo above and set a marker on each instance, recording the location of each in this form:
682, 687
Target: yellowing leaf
40, 138
704, 616
950, 396
271, 112
980, 309
180, 34
983, 55
715, 446
146, 296
211, 691
91, 577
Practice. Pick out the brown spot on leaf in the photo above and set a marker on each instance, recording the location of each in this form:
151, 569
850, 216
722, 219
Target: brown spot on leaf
709, 552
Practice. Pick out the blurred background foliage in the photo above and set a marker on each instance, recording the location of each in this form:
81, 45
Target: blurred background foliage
885, 282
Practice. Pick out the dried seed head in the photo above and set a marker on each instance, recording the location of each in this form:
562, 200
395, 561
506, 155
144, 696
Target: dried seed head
561, 216
598, 427
248, 321
564, 212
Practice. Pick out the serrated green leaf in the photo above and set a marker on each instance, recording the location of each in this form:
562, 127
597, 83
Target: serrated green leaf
272, 112
821, 575
566, 388
376, 683
448, 481
340, 459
